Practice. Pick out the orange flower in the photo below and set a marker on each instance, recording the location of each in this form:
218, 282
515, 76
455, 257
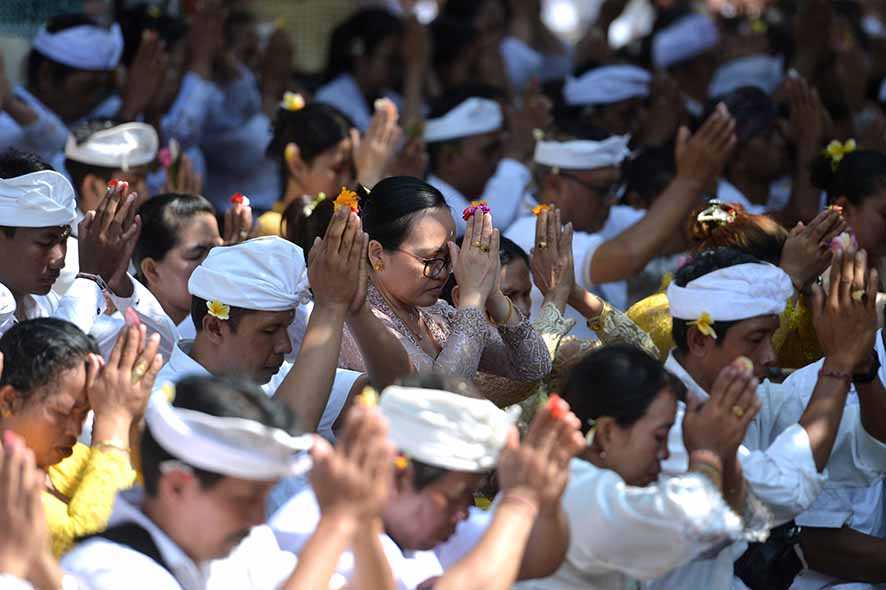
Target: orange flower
347, 198
538, 209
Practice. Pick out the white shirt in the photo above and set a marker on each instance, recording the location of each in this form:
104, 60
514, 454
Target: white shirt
621, 534
503, 194
99, 564
294, 523
344, 94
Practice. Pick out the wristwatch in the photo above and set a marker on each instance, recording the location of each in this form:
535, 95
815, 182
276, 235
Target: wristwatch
865, 378
96, 279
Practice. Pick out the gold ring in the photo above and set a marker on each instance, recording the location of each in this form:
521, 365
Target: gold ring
484, 248
244, 234
477, 244
542, 244
859, 295
139, 371
738, 411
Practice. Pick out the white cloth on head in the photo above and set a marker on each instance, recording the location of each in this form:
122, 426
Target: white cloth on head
583, 154
687, 38
474, 116
445, 429
130, 144
38, 199
264, 274
235, 447
765, 72
85, 47
733, 293
607, 84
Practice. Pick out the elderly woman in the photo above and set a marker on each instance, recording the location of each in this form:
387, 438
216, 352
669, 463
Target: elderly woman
411, 253
52, 376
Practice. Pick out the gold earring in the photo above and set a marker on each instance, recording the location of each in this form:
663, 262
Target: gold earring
378, 267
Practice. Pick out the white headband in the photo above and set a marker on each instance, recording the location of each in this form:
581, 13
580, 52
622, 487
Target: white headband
689, 37
234, 447
445, 429
582, 154
606, 85
263, 274
38, 199
85, 47
472, 117
765, 72
130, 144
733, 293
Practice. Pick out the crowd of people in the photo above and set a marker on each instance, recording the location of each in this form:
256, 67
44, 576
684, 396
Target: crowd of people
475, 308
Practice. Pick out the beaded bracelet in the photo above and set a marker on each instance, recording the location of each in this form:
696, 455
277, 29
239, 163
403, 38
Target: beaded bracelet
845, 377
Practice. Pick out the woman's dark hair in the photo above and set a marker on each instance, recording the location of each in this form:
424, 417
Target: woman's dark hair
301, 224
225, 397
389, 209
36, 351
359, 35
754, 111
508, 251
162, 219
58, 71
758, 235
859, 175
618, 381
699, 265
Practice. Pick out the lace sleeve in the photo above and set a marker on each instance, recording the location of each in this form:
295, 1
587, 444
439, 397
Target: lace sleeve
468, 336
517, 352
614, 327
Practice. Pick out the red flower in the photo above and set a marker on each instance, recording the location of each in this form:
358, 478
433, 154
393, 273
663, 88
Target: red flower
475, 206
239, 198
557, 406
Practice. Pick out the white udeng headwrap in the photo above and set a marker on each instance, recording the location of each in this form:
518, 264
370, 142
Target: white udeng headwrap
582, 154
445, 429
130, 144
234, 447
687, 38
263, 274
765, 72
607, 84
38, 199
472, 117
733, 293
85, 47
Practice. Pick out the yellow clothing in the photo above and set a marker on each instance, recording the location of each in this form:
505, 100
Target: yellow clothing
794, 342
90, 480
269, 222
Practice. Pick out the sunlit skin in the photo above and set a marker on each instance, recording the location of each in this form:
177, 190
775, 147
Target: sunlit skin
868, 221
32, 260
582, 196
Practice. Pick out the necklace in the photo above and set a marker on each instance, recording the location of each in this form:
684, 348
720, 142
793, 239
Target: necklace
416, 336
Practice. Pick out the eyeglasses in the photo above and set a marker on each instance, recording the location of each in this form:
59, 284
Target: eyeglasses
433, 266
609, 192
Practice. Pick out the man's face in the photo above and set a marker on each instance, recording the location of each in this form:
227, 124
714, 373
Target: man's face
77, 94
474, 162
257, 347
751, 338
33, 259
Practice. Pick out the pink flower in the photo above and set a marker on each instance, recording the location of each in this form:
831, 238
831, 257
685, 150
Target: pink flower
164, 156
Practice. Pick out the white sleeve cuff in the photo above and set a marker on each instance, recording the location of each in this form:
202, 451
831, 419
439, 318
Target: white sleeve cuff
10, 582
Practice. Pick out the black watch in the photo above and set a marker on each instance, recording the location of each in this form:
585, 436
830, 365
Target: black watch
866, 378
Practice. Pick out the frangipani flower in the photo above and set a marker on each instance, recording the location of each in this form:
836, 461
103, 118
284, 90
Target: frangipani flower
292, 102
836, 151
705, 325
219, 310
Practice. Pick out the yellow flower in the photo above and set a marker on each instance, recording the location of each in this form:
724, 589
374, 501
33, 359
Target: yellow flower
168, 390
292, 101
219, 310
347, 198
401, 463
538, 209
836, 151
368, 397
705, 325
759, 26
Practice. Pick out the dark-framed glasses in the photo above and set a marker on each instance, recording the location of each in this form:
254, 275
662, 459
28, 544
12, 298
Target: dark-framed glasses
608, 192
434, 267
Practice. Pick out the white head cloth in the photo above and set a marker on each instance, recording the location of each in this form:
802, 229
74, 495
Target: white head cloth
262, 274
582, 154
85, 47
7, 304
445, 429
38, 199
687, 38
606, 85
765, 72
234, 447
130, 144
733, 293
472, 117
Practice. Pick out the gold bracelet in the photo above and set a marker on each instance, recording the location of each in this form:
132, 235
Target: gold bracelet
114, 444
596, 323
507, 319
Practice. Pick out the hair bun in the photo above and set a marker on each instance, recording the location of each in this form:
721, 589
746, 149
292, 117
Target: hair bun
705, 221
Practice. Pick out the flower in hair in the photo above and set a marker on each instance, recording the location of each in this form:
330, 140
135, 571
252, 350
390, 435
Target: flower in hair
836, 151
539, 209
368, 397
168, 391
347, 198
705, 325
475, 206
717, 212
292, 102
239, 199
219, 310
308, 209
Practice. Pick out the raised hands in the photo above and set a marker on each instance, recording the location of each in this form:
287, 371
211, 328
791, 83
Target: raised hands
25, 539
553, 270
374, 151
238, 221
476, 265
354, 478
183, 178
719, 425
701, 157
807, 253
336, 263
845, 318
144, 76
107, 236
534, 113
